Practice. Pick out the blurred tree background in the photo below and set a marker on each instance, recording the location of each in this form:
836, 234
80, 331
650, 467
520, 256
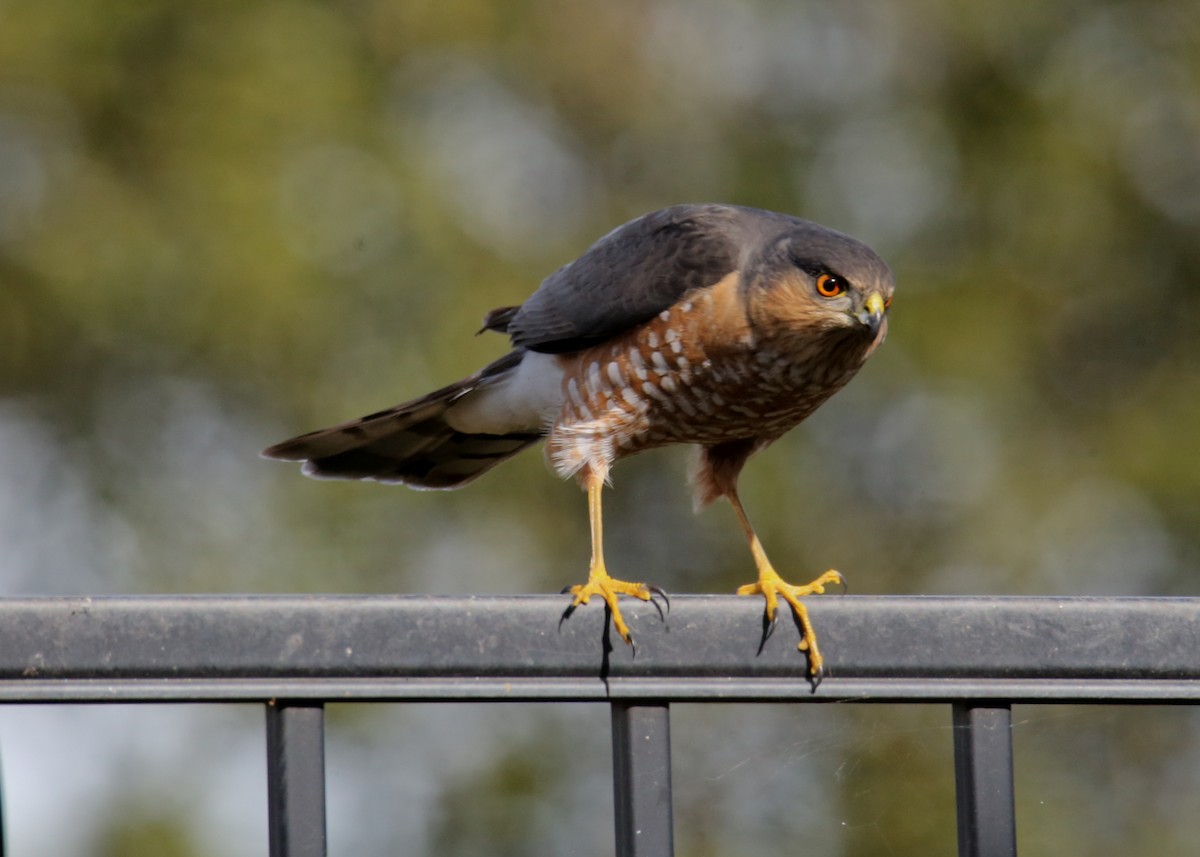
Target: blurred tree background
223, 223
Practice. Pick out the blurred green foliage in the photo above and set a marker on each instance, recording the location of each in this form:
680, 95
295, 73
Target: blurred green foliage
223, 223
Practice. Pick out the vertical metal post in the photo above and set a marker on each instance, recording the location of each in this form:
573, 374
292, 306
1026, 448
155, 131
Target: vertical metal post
983, 780
3, 837
642, 779
296, 778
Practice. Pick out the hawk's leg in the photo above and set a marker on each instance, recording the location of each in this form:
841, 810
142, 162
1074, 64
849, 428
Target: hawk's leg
772, 587
599, 582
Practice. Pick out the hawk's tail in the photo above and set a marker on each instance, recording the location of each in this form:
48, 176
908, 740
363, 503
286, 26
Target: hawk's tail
412, 443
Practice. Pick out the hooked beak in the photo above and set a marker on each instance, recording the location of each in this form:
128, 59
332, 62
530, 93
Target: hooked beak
871, 315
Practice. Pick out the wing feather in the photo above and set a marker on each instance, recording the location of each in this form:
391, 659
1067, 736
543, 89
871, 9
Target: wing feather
634, 273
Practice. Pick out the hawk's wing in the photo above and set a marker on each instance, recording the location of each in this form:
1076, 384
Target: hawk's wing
631, 275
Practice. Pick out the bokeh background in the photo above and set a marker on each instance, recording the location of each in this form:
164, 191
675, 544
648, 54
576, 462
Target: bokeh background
223, 223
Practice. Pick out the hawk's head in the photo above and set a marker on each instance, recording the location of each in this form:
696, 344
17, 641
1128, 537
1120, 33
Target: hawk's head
813, 280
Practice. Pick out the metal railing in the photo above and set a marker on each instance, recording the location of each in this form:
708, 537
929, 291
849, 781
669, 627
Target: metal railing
294, 654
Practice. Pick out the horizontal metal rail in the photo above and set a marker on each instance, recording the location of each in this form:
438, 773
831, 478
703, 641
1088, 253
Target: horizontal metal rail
297, 653
498, 648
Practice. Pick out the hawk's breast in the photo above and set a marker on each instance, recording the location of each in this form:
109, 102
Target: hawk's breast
696, 373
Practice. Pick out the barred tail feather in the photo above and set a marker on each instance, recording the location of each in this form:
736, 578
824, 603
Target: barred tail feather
411, 444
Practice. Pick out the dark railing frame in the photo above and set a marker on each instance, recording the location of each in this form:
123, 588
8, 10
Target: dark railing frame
294, 654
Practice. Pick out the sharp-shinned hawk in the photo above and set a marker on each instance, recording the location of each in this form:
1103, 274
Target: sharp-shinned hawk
714, 325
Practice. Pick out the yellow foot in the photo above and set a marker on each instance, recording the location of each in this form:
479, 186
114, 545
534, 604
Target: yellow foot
771, 586
600, 583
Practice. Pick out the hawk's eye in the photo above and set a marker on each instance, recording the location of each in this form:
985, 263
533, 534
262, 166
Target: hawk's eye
830, 286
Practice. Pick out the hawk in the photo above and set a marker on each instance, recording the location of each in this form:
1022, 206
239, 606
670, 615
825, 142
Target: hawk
719, 326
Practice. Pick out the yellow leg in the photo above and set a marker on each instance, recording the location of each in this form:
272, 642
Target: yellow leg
771, 586
599, 582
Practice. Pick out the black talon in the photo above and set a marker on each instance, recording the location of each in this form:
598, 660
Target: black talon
655, 593
844, 584
768, 628
566, 614
661, 616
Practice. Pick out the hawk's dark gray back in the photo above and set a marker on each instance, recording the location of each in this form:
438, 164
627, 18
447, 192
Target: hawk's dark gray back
637, 271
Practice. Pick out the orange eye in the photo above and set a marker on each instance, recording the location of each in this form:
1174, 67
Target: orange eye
830, 286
